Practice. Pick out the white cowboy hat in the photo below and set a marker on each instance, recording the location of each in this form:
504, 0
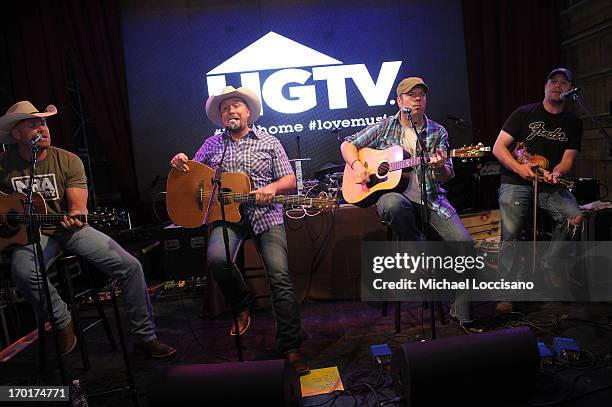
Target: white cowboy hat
20, 111
249, 97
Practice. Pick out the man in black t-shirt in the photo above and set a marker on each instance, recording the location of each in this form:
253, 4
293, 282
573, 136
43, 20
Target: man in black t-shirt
548, 130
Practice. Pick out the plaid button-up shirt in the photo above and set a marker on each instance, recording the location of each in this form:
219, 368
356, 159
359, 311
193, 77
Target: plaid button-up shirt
262, 158
389, 132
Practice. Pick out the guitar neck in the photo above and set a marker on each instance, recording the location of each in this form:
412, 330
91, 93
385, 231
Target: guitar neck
566, 182
241, 197
45, 219
414, 161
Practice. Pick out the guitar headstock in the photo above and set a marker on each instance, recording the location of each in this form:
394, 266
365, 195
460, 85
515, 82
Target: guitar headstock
567, 183
472, 151
324, 203
109, 218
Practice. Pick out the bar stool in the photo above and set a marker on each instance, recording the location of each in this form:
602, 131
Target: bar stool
393, 237
9, 315
63, 268
249, 262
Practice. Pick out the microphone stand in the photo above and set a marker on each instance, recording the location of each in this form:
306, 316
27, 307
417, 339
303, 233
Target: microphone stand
39, 264
424, 156
217, 193
589, 114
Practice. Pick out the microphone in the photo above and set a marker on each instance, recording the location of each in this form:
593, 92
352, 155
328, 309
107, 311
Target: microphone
569, 93
231, 125
455, 118
406, 110
36, 138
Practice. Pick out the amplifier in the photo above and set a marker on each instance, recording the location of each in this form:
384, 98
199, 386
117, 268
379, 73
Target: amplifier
184, 252
586, 190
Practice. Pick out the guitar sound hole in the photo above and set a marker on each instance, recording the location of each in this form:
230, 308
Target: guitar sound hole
383, 169
12, 223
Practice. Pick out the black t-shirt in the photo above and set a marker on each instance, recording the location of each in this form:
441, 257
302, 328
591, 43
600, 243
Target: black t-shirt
543, 133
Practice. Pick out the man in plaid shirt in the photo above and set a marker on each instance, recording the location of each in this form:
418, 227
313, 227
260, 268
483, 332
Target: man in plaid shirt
262, 157
401, 210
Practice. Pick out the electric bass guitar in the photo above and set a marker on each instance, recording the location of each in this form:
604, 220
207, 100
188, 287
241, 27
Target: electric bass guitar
15, 218
387, 171
188, 194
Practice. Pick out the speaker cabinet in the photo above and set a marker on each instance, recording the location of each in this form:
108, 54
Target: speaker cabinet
488, 369
184, 252
257, 383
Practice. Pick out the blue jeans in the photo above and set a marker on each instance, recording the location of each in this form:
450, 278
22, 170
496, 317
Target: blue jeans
106, 255
404, 218
272, 246
515, 208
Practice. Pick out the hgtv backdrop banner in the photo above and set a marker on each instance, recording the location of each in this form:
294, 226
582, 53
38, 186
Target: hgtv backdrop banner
323, 70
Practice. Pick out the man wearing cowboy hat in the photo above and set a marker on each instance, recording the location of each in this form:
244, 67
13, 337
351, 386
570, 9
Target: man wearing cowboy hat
60, 179
262, 157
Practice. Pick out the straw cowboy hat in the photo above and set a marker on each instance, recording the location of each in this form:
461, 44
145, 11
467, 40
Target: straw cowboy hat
249, 97
20, 111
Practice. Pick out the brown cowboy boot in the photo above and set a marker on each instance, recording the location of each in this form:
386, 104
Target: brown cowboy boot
244, 321
296, 359
67, 339
154, 348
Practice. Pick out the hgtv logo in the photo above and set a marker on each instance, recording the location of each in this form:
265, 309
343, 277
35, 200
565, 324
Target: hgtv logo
294, 65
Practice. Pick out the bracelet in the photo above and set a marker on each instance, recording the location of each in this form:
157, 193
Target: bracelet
354, 163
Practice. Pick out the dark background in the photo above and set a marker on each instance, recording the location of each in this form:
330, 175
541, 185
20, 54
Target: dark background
129, 77
171, 47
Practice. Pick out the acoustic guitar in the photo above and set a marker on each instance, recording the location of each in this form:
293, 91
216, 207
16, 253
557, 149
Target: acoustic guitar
387, 171
188, 193
523, 156
15, 218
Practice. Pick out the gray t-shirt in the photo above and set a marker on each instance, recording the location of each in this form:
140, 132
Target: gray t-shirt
409, 140
59, 170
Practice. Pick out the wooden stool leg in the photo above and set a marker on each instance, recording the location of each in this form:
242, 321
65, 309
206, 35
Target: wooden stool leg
126, 359
105, 323
75, 317
441, 316
398, 314
99, 308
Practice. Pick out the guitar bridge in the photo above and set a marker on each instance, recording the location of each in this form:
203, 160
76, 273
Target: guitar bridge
200, 196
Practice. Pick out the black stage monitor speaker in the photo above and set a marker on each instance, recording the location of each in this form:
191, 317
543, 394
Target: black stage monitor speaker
489, 369
258, 383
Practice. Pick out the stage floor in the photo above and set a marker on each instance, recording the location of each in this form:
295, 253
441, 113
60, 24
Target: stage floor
336, 333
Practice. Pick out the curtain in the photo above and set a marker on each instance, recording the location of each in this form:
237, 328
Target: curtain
44, 39
511, 46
